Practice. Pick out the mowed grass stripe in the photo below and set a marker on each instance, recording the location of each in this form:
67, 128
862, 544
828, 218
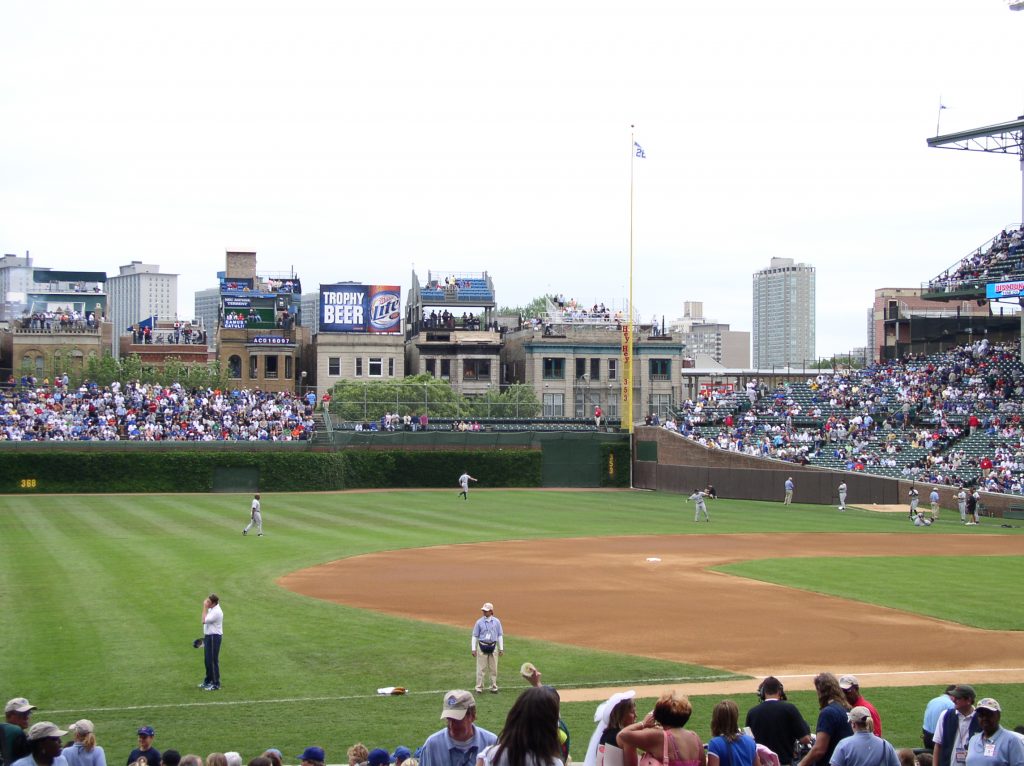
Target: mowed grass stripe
945, 587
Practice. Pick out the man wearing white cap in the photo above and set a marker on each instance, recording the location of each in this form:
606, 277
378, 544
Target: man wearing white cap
851, 690
44, 740
993, 745
13, 742
459, 743
487, 644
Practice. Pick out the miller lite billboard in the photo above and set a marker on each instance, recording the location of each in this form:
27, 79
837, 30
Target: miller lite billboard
361, 308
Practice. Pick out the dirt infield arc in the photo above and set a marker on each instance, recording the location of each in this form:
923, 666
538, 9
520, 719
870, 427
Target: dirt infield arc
607, 593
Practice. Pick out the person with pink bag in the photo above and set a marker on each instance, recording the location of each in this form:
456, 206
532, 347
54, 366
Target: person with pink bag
663, 737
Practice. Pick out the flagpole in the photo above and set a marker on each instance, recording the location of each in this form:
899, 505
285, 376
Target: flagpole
938, 117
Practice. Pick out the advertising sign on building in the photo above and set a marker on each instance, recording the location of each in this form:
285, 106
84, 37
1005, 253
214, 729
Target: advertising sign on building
361, 308
1004, 290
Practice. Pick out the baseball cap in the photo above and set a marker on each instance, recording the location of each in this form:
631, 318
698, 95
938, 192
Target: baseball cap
950, 689
487, 607
857, 714
847, 682
401, 752
312, 754
378, 757
964, 691
456, 703
987, 703
82, 726
44, 730
146, 731
19, 705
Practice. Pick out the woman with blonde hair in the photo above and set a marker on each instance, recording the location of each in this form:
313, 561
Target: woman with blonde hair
728, 746
216, 759
84, 751
358, 754
833, 725
662, 736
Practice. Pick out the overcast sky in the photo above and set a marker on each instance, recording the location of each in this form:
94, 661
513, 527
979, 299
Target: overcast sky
357, 140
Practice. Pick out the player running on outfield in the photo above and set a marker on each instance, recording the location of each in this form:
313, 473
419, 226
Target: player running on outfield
464, 481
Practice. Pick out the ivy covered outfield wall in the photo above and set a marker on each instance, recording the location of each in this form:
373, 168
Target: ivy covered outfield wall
30, 468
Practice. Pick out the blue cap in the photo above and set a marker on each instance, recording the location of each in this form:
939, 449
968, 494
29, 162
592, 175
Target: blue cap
401, 752
147, 731
379, 757
312, 754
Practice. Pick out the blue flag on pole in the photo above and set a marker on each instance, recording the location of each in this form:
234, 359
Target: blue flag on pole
639, 151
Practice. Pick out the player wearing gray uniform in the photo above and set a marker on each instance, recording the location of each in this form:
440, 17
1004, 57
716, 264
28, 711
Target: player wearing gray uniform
915, 497
464, 481
961, 504
842, 496
255, 517
698, 498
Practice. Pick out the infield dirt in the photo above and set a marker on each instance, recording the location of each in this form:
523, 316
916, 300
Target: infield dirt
656, 597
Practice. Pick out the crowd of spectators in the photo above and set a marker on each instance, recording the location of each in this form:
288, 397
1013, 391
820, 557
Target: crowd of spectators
138, 411
1003, 256
61, 319
912, 416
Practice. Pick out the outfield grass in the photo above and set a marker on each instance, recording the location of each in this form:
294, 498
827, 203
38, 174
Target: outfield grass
914, 577
102, 596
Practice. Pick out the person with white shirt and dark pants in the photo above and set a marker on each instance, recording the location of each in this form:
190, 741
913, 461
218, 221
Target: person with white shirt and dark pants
213, 633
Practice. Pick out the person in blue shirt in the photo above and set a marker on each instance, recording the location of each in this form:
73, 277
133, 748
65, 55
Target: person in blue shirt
461, 741
935, 707
993, 745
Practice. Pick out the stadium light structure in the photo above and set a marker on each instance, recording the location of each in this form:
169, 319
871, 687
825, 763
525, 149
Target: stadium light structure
1004, 138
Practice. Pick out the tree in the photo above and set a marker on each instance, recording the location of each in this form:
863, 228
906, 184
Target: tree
102, 369
535, 308
516, 401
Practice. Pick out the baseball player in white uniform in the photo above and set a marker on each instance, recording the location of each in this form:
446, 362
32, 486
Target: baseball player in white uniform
464, 481
255, 518
961, 504
842, 496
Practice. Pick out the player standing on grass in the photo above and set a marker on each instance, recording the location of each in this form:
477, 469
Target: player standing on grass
464, 481
842, 496
698, 498
255, 517
915, 498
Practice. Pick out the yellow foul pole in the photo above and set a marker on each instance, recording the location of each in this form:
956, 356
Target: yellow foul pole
627, 327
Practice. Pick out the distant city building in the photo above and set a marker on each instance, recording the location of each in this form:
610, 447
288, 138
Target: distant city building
705, 338
15, 283
140, 292
310, 305
784, 314
207, 308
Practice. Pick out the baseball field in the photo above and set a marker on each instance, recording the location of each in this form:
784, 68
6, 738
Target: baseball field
350, 592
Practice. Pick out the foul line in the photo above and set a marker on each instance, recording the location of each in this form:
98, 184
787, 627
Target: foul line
590, 685
348, 697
